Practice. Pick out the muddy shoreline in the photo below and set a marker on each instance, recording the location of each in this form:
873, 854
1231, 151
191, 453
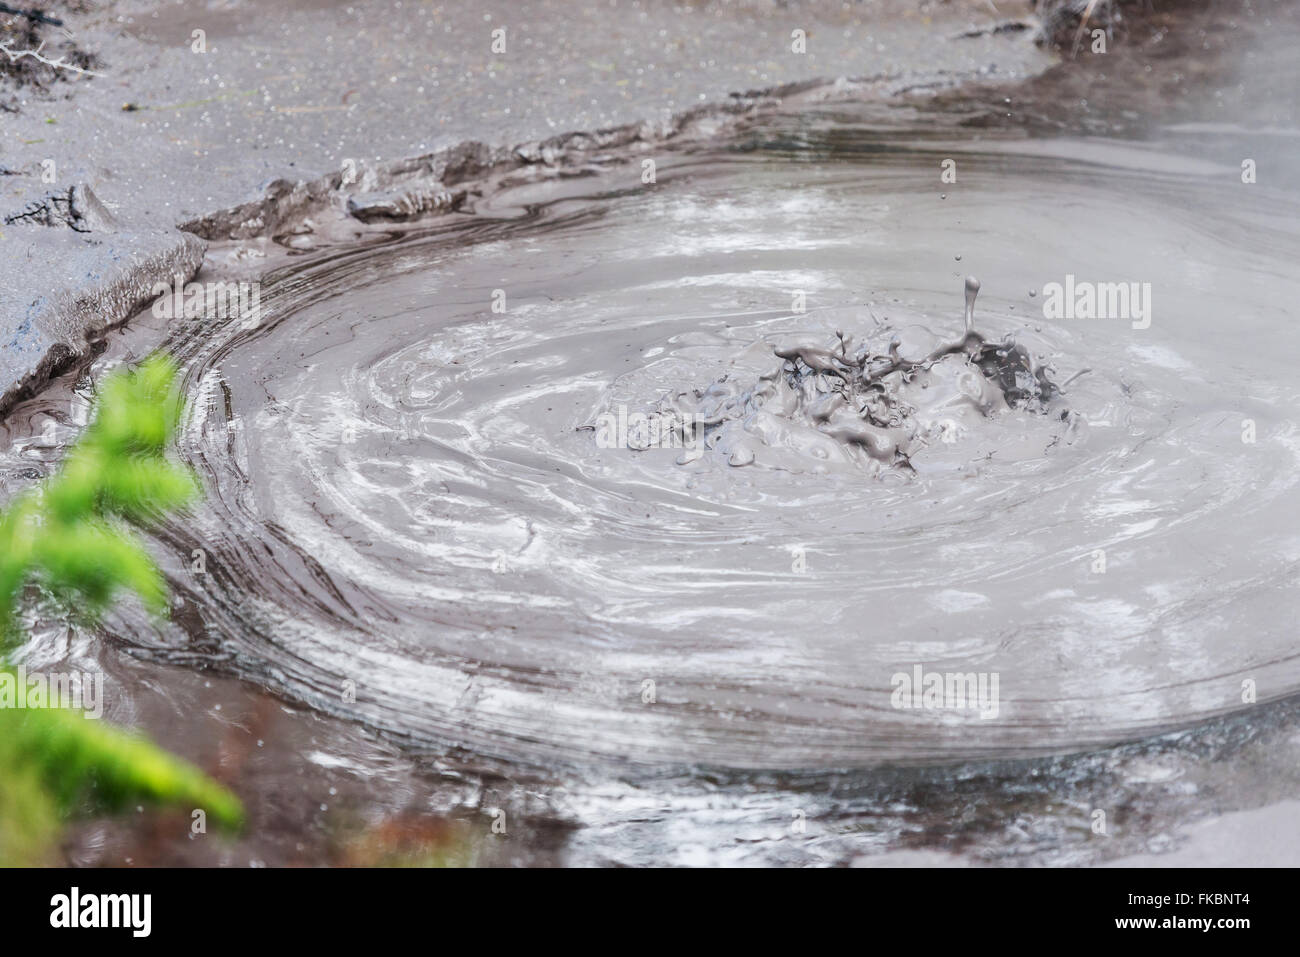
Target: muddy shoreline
156, 186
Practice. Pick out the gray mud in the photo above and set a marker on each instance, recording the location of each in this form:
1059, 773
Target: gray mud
438, 496
405, 491
106, 270
251, 135
416, 533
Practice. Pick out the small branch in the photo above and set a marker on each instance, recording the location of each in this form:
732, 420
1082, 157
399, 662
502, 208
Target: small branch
1083, 25
36, 15
59, 64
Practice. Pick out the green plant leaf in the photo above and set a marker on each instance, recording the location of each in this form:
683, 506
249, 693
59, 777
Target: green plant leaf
71, 536
81, 759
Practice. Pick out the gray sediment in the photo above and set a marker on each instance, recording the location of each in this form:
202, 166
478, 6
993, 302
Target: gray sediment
175, 141
96, 271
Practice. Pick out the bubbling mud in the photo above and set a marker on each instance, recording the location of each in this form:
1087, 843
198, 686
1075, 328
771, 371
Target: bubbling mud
876, 405
408, 495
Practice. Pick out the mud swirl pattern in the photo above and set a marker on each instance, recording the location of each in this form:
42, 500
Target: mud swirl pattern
416, 514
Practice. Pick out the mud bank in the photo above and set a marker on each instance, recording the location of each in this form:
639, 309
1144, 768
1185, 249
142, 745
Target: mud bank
251, 125
95, 270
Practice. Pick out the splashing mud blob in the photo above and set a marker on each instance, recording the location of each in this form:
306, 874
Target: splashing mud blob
972, 290
873, 406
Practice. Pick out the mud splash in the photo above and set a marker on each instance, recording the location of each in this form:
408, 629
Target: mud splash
876, 406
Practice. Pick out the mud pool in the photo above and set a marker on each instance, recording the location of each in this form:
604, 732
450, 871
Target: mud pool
410, 525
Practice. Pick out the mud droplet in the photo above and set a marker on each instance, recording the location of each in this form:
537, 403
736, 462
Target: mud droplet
972, 290
741, 455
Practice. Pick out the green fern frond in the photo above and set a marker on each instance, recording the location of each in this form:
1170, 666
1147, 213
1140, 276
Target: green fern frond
71, 536
88, 562
77, 758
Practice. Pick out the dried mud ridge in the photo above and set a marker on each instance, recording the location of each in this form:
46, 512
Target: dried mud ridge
76, 207
367, 196
64, 328
443, 181
448, 180
69, 326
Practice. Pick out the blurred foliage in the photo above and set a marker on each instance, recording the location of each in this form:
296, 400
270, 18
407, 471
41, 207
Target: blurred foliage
29, 820
71, 537
76, 757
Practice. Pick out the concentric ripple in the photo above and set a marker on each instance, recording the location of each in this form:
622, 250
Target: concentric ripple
412, 517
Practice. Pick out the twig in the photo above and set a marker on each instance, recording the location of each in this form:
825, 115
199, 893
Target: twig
59, 64
1083, 25
36, 15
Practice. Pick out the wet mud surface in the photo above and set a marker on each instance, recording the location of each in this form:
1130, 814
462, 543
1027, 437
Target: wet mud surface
229, 121
406, 499
619, 507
